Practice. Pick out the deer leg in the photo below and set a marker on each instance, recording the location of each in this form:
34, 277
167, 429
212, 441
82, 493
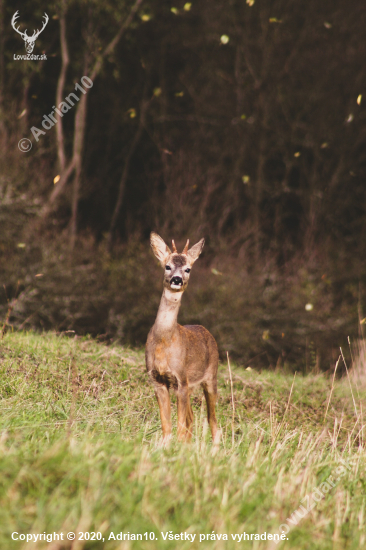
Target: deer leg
211, 397
162, 396
183, 406
189, 419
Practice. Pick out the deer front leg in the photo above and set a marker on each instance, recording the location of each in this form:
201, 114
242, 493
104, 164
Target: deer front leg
183, 410
189, 419
162, 396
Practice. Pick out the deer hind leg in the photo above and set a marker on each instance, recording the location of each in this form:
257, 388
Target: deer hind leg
184, 412
210, 391
162, 396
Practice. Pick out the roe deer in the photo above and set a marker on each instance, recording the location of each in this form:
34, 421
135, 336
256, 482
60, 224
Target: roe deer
180, 357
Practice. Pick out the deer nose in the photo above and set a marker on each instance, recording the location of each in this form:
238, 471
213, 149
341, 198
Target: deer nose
176, 281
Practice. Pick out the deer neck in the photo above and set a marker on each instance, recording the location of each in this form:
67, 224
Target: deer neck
166, 319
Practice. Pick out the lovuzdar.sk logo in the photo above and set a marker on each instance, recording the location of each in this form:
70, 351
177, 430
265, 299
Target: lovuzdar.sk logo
29, 41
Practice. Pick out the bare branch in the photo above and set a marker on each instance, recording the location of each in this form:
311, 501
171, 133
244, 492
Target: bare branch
59, 187
80, 119
122, 184
60, 89
109, 49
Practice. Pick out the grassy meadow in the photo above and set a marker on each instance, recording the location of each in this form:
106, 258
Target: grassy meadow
80, 452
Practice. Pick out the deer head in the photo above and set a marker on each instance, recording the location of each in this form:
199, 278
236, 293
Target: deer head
29, 40
177, 267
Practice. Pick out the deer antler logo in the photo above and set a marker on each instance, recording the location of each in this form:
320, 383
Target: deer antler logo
29, 40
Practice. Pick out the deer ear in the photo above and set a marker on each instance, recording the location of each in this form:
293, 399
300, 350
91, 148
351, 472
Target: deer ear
160, 249
195, 251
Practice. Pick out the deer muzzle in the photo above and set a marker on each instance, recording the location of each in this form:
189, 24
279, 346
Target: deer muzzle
176, 282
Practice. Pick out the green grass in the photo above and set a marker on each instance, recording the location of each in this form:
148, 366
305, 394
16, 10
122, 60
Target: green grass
80, 451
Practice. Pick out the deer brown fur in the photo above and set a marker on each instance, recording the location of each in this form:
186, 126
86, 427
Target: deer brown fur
180, 357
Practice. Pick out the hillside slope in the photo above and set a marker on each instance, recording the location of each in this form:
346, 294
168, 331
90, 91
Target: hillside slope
80, 452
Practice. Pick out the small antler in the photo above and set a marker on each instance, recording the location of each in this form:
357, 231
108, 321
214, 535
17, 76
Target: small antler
185, 249
174, 247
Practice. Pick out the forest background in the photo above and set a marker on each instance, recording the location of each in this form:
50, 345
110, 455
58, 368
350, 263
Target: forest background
241, 122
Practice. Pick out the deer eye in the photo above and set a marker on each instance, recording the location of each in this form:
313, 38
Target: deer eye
187, 270
168, 268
